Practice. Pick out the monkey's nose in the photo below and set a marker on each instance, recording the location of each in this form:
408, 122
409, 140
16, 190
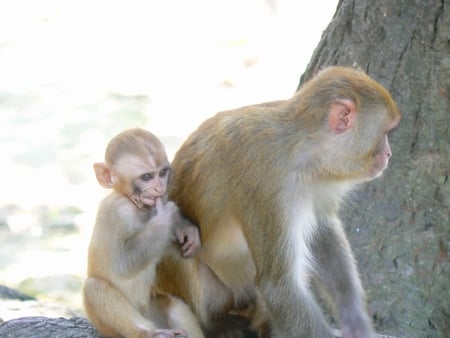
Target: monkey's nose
389, 151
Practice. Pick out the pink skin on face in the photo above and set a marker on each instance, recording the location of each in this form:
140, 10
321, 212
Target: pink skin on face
384, 152
153, 187
382, 158
150, 200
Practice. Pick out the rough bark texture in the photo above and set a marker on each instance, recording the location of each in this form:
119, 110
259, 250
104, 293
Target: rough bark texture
399, 225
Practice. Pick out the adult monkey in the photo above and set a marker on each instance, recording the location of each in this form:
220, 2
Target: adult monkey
264, 183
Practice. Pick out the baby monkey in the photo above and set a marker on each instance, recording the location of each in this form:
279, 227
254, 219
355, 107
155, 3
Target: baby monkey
135, 225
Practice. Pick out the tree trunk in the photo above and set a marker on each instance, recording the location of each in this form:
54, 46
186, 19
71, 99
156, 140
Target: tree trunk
399, 224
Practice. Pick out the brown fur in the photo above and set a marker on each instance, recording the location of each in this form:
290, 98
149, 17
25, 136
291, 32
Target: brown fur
264, 183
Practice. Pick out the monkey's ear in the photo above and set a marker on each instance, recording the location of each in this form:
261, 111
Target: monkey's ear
342, 115
104, 175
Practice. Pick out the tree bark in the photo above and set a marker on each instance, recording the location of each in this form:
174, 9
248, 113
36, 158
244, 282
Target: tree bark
399, 224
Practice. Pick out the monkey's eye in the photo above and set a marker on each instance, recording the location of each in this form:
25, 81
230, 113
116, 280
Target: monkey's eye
163, 172
147, 177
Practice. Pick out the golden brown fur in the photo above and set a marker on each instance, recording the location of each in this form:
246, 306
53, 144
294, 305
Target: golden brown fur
264, 183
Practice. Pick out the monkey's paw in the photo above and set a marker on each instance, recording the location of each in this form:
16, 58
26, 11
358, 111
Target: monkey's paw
166, 333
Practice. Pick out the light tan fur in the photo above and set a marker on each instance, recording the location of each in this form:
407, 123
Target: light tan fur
133, 229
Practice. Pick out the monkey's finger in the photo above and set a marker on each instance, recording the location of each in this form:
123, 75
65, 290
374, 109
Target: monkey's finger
196, 242
191, 240
181, 334
194, 245
188, 250
158, 204
181, 237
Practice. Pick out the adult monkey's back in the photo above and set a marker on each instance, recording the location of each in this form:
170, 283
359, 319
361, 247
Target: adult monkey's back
264, 183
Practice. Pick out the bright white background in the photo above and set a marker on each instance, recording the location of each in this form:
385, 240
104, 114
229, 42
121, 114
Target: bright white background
65, 64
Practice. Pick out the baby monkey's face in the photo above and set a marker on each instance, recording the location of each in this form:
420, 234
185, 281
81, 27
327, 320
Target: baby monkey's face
151, 185
143, 179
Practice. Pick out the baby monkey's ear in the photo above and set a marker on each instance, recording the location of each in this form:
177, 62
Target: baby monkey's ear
105, 175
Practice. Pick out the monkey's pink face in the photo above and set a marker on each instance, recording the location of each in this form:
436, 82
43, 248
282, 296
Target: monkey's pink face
382, 153
381, 157
150, 186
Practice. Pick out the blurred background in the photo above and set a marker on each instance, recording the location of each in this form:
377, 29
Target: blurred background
73, 73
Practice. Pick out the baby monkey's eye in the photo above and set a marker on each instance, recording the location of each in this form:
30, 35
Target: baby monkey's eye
163, 172
147, 177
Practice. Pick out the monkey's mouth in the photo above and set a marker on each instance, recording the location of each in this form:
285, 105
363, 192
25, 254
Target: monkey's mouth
378, 170
149, 200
